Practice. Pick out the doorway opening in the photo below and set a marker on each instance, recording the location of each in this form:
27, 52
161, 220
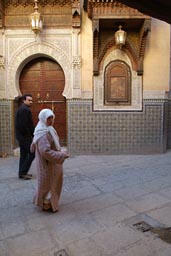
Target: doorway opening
44, 79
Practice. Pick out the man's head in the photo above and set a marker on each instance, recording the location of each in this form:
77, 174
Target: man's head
27, 99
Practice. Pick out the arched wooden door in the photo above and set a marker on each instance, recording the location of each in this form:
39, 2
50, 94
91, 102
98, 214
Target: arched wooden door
44, 79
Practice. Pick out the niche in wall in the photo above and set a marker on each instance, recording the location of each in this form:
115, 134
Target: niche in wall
117, 84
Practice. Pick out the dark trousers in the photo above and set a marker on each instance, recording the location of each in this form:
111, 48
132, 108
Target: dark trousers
26, 157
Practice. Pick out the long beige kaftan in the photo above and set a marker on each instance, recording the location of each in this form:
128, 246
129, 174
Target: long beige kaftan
49, 172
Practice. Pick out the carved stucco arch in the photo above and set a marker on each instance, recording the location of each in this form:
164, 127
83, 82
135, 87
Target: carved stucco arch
128, 48
30, 52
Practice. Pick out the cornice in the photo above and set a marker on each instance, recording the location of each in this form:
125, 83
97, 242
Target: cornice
41, 2
100, 8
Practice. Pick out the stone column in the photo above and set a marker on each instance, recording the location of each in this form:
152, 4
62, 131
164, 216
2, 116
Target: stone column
2, 67
76, 63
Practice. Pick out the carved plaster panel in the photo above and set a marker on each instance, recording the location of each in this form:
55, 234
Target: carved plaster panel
76, 63
2, 62
16, 43
136, 86
60, 14
63, 43
33, 50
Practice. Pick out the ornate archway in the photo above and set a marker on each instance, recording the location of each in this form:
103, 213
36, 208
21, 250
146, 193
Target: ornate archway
32, 51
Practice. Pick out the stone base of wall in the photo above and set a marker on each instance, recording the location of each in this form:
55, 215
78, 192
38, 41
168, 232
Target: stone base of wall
133, 132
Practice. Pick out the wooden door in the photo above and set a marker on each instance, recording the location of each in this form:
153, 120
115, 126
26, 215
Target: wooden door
44, 79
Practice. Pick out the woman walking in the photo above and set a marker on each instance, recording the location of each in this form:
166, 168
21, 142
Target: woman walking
49, 162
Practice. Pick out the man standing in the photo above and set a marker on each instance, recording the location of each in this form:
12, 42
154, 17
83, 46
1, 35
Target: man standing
24, 133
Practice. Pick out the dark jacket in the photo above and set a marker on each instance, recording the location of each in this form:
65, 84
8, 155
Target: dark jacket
24, 126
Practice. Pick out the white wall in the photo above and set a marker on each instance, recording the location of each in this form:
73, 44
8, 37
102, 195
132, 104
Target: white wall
157, 58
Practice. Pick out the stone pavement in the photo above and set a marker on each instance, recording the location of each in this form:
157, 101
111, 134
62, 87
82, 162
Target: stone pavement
103, 198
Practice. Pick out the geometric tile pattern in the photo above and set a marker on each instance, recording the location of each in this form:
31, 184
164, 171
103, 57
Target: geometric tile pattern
91, 132
6, 127
96, 132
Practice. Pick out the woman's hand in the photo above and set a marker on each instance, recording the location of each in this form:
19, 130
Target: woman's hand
62, 157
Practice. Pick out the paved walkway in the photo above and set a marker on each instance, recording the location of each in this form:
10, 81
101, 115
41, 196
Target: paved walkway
102, 200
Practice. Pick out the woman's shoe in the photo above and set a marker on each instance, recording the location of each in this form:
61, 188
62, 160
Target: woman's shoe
48, 209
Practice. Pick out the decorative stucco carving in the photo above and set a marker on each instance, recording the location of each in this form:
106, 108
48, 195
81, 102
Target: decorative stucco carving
1, 14
95, 46
135, 51
41, 2
76, 14
54, 16
63, 43
76, 62
128, 48
143, 37
16, 43
2, 62
104, 13
31, 51
1, 19
96, 8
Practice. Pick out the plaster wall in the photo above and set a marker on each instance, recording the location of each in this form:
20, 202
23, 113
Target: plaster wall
156, 62
157, 58
87, 56
2, 84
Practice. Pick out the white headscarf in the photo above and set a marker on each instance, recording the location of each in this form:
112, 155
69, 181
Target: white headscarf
42, 128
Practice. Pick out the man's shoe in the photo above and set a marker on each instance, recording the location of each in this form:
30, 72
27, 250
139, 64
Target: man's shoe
30, 175
25, 177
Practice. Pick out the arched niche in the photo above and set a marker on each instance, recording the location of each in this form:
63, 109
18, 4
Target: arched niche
135, 98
